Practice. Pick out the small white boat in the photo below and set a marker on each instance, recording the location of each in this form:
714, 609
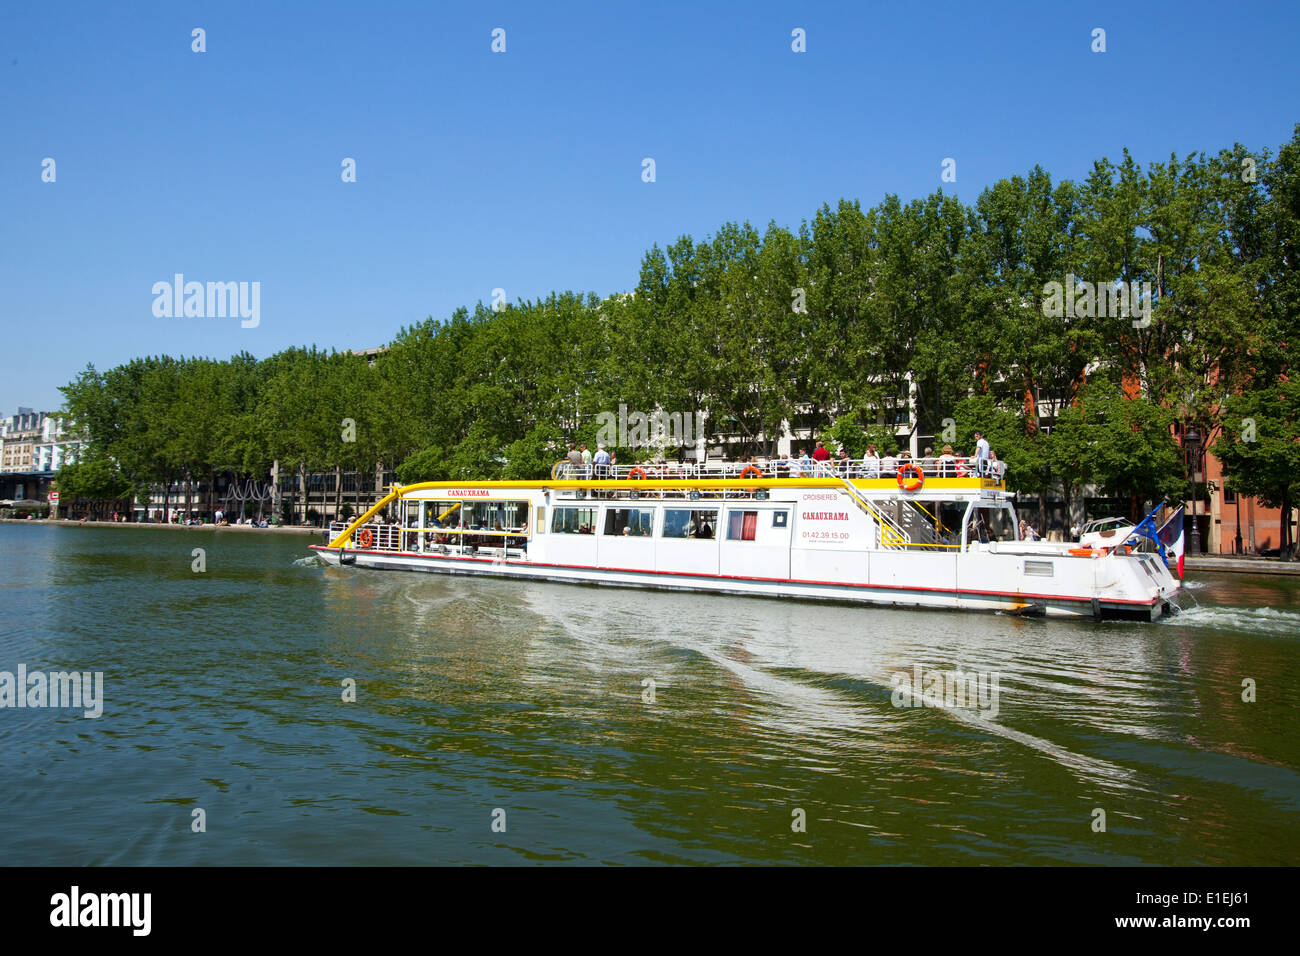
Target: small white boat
919, 537
1106, 532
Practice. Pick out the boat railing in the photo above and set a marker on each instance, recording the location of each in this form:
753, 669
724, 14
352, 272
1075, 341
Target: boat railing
850, 468
371, 536
890, 536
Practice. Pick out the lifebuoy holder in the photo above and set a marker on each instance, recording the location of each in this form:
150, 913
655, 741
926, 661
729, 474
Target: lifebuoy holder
913, 483
365, 538
751, 471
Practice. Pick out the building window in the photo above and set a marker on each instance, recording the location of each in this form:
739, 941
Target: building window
1229, 496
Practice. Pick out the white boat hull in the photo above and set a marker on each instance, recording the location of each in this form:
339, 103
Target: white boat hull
896, 587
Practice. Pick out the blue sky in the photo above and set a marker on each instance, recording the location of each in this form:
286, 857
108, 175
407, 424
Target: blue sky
522, 170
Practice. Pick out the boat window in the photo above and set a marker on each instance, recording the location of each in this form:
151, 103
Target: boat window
629, 522
742, 525
442, 514
948, 517
992, 524
478, 515
574, 521
682, 523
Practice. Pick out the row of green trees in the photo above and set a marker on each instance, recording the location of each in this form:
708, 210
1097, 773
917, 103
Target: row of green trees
830, 326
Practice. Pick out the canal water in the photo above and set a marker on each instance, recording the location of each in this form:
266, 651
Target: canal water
518, 723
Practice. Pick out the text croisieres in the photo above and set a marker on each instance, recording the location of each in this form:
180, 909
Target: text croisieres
825, 516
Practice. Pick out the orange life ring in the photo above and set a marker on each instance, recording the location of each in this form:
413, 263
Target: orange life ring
636, 473
745, 472
366, 538
910, 484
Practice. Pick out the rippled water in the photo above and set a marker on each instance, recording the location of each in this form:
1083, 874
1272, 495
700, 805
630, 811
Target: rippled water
223, 692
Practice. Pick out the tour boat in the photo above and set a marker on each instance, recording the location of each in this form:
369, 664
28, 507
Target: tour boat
930, 533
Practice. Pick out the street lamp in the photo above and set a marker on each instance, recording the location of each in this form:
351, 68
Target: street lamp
1238, 497
1192, 446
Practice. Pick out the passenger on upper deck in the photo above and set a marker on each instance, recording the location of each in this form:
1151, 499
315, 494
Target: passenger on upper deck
843, 462
997, 468
820, 453
871, 463
575, 462
981, 454
947, 462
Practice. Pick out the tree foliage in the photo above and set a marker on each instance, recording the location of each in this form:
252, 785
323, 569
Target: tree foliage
835, 326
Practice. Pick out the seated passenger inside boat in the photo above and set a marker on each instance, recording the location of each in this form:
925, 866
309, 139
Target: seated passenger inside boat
686, 523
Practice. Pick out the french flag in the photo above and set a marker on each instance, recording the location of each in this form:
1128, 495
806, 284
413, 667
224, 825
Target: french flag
1171, 536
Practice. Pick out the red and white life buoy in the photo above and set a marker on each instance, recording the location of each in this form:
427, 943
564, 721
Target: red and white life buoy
366, 538
910, 477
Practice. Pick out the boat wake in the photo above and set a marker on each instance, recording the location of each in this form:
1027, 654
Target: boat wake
1256, 620
311, 561
816, 699
1089, 768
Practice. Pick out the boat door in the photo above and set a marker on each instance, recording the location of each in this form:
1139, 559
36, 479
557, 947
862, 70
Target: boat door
755, 539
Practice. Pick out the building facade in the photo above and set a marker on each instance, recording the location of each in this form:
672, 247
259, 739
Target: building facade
33, 447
